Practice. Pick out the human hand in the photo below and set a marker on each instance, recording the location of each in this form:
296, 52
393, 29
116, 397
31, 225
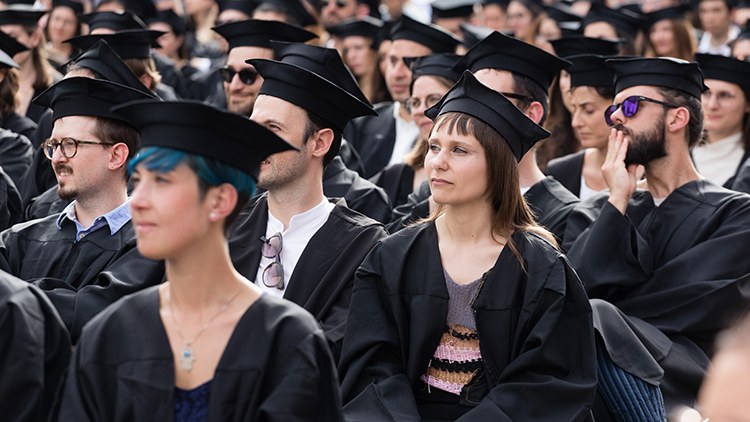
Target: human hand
620, 179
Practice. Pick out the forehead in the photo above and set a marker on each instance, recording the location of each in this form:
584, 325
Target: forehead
719, 85
268, 108
499, 80
73, 126
356, 40
238, 55
712, 5
407, 48
644, 90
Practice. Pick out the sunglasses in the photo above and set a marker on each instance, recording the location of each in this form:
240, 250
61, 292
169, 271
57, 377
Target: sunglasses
630, 106
247, 76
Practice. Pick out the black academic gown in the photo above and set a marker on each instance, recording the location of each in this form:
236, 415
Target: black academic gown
323, 278
373, 137
535, 333
11, 208
47, 203
21, 125
567, 170
398, 182
34, 352
678, 273
360, 194
80, 278
15, 154
275, 367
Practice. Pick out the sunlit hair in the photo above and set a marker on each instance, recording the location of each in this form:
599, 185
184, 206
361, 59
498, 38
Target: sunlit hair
210, 172
510, 212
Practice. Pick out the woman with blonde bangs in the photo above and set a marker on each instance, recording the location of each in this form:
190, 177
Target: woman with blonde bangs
473, 313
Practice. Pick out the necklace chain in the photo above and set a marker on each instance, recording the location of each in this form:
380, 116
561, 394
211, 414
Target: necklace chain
187, 357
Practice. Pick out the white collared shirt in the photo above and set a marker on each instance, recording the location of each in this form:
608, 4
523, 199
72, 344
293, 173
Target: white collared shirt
718, 161
705, 45
301, 229
407, 133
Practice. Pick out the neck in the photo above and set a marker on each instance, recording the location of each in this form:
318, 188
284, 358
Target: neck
89, 207
720, 37
365, 82
27, 73
467, 223
717, 135
286, 202
667, 174
529, 173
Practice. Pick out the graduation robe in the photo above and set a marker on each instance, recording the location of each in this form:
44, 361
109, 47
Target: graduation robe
80, 278
373, 137
567, 170
275, 367
34, 352
398, 182
534, 326
678, 274
360, 194
323, 278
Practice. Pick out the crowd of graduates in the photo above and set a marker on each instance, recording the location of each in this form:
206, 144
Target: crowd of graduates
363, 210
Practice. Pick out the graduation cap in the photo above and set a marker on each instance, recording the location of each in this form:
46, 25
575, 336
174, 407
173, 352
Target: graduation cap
205, 130
666, 72
676, 12
498, 51
134, 44
171, 18
363, 27
325, 62
726, 69
15, 3
590, 70
20, 16
80, 96
471, 97
561, 12
434, 65
626, 22
293, 8
9, 47
473, 34
444, 9
103, 60
577, 45
115, 21
244, 6
259, 33
76, 6
433, 37
310, 91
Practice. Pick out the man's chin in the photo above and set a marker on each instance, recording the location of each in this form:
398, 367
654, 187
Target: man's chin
66, 194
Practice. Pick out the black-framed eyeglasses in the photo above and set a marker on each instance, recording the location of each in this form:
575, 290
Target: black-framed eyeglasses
247, 76
413, 103
339, 3
629, 107
68, 146
273, 274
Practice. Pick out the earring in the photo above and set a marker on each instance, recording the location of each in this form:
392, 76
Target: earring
213, 216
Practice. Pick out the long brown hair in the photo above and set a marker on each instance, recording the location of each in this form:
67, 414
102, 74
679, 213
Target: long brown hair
684, 40
510, 212
45, 73
8, 92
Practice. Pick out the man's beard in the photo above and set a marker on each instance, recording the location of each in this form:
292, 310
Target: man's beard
646, 146
65, 194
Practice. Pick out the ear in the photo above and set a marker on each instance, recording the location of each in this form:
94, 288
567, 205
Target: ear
321, 142
677, 119
221, 201
146, 79
362, 10
118, 156
535, 112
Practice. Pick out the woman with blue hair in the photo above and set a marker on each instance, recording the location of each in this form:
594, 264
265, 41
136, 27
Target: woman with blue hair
206, 344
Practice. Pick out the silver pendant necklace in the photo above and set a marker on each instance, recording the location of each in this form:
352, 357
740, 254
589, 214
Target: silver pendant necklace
187, 356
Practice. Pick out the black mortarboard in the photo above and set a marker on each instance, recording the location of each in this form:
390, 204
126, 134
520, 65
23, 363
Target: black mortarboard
127, 44
103, 60
310, 91
434, 65
498, 51
80, 96
115, 21
14, 3
244, 6
433, 37
294, 8
453, 8
626, 22
665, 72
363, 27
20, 16
259, 33
473, 34
471, 97
676, 12
726, 69
9, 47
561, 12
577, 45
171, 18
76, 6
325, 62
590, 70
205, 130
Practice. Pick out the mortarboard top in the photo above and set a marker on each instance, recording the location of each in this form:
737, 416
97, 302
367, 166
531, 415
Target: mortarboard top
76, 6
310, 91
295, 8
665, 72
726, 69
561, 12
590, 70
434, 65
363, 27
20, 15
171, 18
676, 12
244, 6
577, 45
135, 44
626, 22
9, 47
471, 97
498, 51
115, 21
473, 34
205, 130
453, 8
14, 3
80, 96
259, 33
433, 37
325, 62
102, 59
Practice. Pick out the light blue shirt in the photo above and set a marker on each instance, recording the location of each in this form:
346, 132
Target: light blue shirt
115, 219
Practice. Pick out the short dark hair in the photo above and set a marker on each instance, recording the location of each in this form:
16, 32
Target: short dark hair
111, 130
527, 87
314, 124
693, 105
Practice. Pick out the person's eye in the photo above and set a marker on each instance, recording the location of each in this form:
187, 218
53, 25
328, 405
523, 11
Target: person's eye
434, 148
459, 150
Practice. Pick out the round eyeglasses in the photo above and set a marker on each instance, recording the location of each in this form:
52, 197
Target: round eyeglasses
68, 146
247, 76
273, 274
